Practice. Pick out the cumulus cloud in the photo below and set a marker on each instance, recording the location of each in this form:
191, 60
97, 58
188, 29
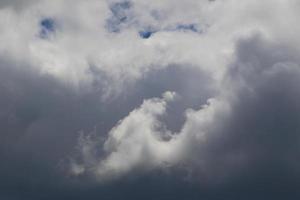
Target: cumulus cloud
136, 140
141, 142
203, 89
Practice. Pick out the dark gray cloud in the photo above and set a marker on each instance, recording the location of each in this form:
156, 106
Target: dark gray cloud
252, 153
257, 144
41, 121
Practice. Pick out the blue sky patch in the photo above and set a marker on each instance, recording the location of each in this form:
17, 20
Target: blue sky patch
145, 34
187, 27
47, 26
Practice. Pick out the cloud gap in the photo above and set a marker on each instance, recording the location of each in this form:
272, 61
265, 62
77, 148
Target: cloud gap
47, 27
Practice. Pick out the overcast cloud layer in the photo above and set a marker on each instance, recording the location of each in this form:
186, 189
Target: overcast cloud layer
161, 99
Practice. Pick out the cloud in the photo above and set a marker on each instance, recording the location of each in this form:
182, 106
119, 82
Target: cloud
150, 96
136, 140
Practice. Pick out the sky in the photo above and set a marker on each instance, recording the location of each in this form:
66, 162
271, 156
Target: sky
154, 100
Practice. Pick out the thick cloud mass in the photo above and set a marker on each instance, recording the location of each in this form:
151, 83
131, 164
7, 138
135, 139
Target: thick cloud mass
149, 99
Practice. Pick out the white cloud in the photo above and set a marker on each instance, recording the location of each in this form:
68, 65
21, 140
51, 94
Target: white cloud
82, 38
140, 142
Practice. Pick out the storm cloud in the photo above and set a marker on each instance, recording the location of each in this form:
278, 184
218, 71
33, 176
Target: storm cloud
149, 100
